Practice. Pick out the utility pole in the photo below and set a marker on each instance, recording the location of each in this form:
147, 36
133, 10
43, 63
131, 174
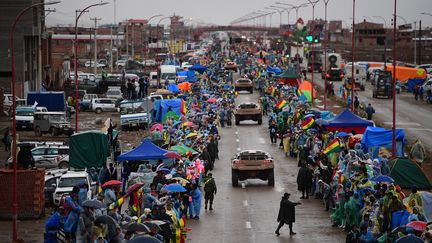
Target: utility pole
415, 42
133, 42
95, 44
420, 46
111, 50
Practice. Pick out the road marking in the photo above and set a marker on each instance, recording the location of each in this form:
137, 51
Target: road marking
279, 188
404, 124
421, 129
248, 225
245, 203
236, 133
262, 141
243, 185
238, 149
238, 140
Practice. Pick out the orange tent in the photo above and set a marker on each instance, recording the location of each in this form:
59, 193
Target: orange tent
185, 86
403, 74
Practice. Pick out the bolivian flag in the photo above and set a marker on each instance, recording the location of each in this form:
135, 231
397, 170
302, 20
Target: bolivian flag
308, 123
183, 109
333, 146
281, 104
272, 90
117, 203
298, 115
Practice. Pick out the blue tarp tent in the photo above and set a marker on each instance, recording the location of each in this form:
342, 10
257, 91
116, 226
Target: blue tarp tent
191, 78
199, 68
375, 138
173, 88
348, 122
412, 83
145, 151
161, 107
274, 70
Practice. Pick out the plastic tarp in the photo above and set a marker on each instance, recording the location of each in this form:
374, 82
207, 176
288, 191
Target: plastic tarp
400, 218
145, 151
274, 70
88, 149
289, 74
162, 107
190, 77
427, 205
173, 88
407, 173
418, 152
348, 122
199, 68
413, 82
403, 74
375, 138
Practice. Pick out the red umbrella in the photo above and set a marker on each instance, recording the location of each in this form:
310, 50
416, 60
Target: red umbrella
172, 154
134, 187
188, 124
211, 100
112, 183
417, 225
156, 126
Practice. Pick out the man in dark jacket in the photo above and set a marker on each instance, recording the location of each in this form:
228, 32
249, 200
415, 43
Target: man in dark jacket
210, 190
304, 181
213, 150
205, 156
370, 111
273, 131
286, 213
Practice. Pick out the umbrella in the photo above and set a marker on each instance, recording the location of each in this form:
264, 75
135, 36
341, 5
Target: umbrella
137, 227
188, 124
192, 134
417, 225
342, 134
172, 154
309, 115
182, 180
182, 149
305, 89
156, 126
156, 222
176, 123
163, 169
105, 219
152, 225
211, 100
144, 239
93, 204
172, 115
410, 239
112, 183
163, 92
185, 86
134, 187
174, 187
382, 178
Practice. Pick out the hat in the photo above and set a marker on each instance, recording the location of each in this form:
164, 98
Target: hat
320, 181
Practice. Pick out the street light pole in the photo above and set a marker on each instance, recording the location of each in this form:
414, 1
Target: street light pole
394, 82
385, 40
76, 56
353, 57
313, 3
14, 138
325, 54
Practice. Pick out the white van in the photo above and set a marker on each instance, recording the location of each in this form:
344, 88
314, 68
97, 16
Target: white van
168, 72
153, 80
359, 74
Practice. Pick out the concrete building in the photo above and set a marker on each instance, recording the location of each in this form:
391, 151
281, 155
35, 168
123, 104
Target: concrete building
28, 41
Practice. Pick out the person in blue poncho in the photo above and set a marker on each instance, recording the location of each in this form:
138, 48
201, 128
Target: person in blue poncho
72, 210
53, 225
195, 206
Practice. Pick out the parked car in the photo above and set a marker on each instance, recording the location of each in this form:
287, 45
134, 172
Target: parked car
427, 67
24, 117
54, 123
104, 104
121, 63
113, 80
150, 62
133, 114
67, 181
114, 93
334, 74
86, 101
51, 177
49, 156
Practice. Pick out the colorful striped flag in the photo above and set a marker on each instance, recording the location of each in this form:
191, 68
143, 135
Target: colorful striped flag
117, 203
333, 146
298, 115
272, 90
281, 104
308, 123
183, 107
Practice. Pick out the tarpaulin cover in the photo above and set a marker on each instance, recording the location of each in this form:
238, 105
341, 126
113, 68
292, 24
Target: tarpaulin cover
161, 107
182, 73
403, 74
412, 83
274, 70
347, 122
408, 173
400, 218
289, 74
145, 151
190, 77
88, 149
173, 88
376, 137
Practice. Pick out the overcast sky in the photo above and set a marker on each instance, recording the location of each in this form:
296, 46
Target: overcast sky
224, 11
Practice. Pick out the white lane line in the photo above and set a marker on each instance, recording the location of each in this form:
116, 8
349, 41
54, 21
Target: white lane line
245, 203
279, 188
248, 225
243, 185
236, 133
237, 140
404, 124
262, 141
238, 149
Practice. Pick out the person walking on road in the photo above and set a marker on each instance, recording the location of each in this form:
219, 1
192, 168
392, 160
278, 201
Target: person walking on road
210, 190
304, 181
273, 131
286, 214
356, 104
327, 192
370, 111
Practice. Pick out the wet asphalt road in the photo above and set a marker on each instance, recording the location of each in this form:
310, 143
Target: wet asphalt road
248, 213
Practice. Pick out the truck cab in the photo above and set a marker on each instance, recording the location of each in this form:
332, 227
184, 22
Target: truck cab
134, 114
168, 72
24, 117
359, 75
54, 123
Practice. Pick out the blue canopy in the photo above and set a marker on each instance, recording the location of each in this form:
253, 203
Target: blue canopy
348, 119
413, 82
146, 151
377, 137
182, 73
162, 107
199, 68
173, 88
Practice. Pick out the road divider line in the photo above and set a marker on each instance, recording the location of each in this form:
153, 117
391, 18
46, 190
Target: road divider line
237, 140
245, 203
248, 225
238, 149
243, 185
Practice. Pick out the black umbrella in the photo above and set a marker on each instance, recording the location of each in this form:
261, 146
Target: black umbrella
105, 219
93, 204
137, 227
151, 225
145, 239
